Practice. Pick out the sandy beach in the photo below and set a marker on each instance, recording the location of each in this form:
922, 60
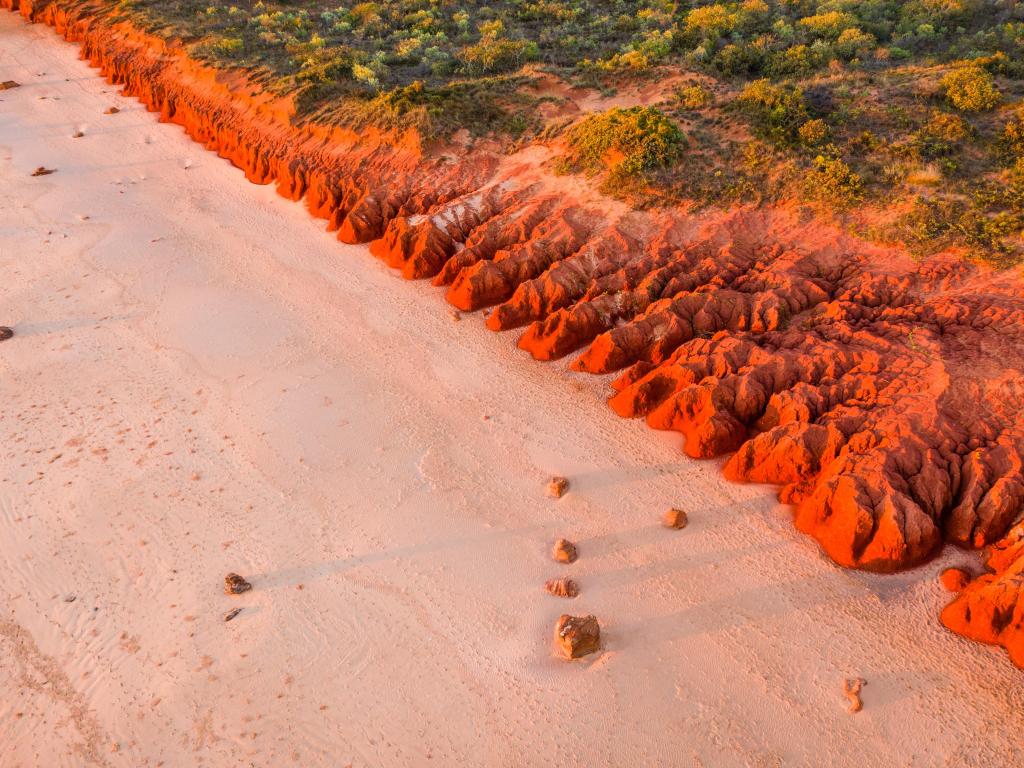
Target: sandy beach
202, 380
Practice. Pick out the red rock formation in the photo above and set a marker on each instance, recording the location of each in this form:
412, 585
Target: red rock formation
991, 608
885, 396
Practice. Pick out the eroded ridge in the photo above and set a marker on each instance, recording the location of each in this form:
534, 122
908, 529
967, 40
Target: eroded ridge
883, 395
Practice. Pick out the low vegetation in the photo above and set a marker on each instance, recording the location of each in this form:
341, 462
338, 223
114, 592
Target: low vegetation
909, 109
627, 145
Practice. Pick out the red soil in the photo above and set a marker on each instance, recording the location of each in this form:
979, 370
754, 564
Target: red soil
883, 395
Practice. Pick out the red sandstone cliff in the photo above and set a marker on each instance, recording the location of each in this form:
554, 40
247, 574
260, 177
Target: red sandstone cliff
883, 395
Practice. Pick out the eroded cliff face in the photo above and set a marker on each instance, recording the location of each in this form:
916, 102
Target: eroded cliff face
991, 608
885, 396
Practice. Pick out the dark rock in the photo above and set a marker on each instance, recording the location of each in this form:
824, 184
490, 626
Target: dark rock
235, 584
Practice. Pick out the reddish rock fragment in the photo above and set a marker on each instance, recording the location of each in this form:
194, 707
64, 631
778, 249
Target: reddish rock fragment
675, 518
5, 333
6, 85
41, 171
235, 584
557, 487
562, 587
577, 636
564, 551
111, 111
852, 688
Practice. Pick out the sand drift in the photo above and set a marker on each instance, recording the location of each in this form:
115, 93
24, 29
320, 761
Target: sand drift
884, 395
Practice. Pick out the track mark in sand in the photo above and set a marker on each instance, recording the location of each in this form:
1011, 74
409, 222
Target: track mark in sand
42, 674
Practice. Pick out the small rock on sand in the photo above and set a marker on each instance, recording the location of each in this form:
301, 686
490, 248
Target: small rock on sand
674, 518
6, 85
232, 613
235, 584
562, 587
77, 135
851, 687
41, 171
577, 636
5, 333
954, 579
557, 486
564, 551
111, 111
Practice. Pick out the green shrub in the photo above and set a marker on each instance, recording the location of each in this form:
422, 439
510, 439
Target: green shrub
710, 21
813, 132
796, 61
775, 111
694, 97
493, 55
1013, 136
941, 135
833, 180
625, 142
229, 46
853, 42
829, 25
970, 88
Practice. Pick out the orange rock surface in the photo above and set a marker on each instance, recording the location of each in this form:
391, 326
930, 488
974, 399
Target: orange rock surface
884, 395
991, 608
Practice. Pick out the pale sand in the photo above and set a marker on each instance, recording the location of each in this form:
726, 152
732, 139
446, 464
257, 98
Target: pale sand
203, 381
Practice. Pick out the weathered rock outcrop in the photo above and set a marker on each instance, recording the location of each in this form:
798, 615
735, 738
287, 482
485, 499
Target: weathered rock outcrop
991, 608
884, 395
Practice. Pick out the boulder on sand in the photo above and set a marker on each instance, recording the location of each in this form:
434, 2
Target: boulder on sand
557, 486
235, 584
674, 518
564, 551
577, 636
